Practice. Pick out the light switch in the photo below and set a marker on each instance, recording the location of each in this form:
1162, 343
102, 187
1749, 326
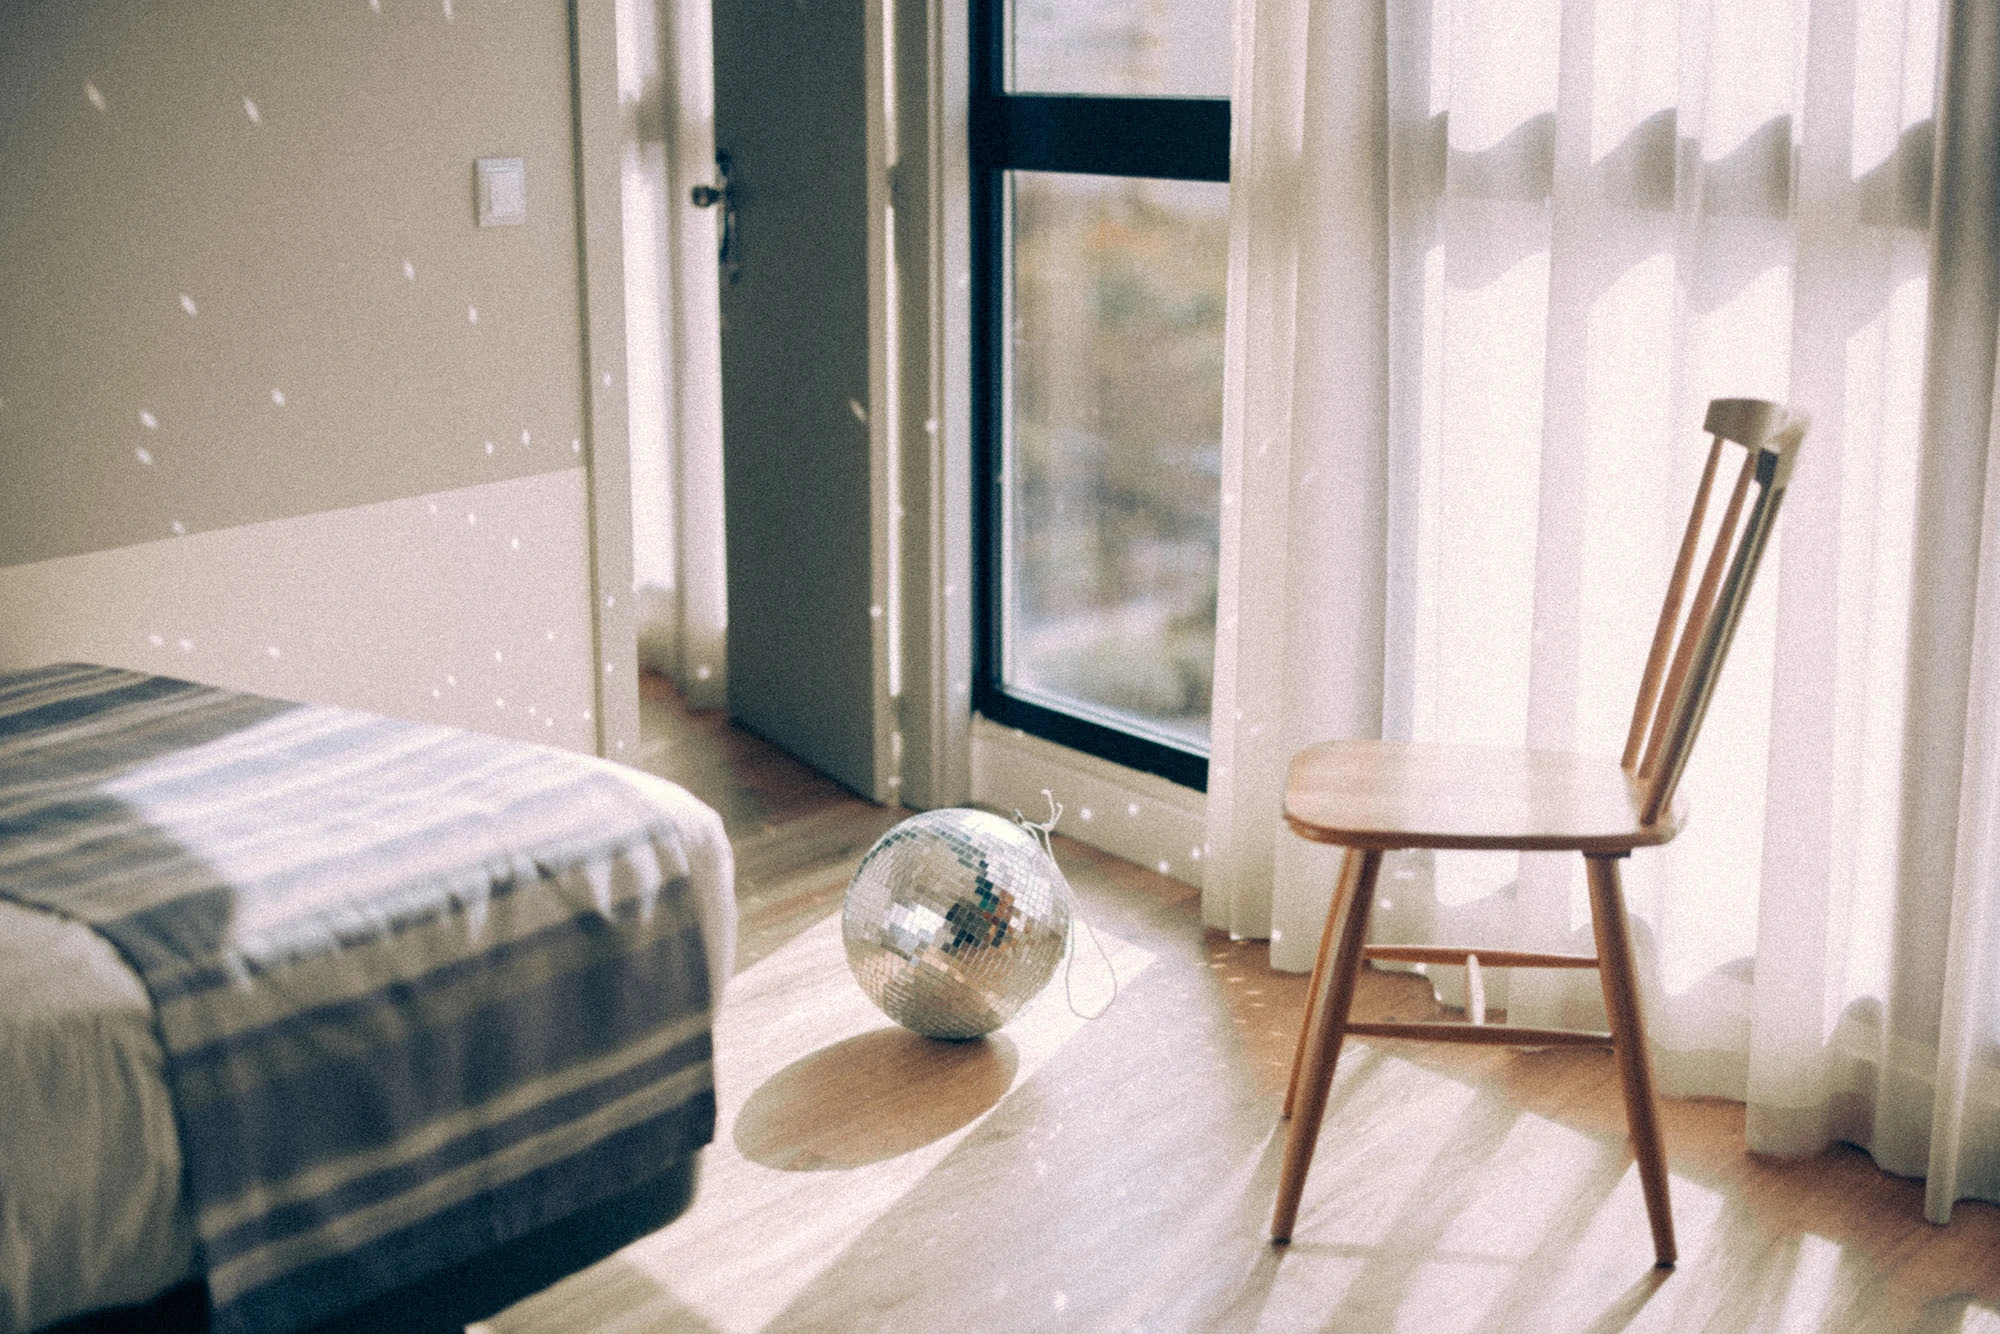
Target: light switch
502, 190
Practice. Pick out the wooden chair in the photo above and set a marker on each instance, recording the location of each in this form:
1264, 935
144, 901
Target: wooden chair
1372, 796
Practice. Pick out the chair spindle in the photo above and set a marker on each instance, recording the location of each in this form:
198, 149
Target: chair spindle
1670, 610
1693, 630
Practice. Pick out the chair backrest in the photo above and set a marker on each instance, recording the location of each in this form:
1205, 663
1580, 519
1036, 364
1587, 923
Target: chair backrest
1687, 652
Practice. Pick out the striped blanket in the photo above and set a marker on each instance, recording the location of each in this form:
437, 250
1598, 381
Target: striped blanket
421, 990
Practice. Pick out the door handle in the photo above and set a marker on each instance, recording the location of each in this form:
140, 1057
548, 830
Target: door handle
708, 196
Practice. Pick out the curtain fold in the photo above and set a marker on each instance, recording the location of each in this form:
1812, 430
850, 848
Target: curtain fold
1957, 694
1300, 589
1489, 261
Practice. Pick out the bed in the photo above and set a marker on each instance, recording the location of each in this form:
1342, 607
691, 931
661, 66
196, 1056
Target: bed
315, 1019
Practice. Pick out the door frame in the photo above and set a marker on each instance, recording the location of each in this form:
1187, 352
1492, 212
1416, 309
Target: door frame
928, 174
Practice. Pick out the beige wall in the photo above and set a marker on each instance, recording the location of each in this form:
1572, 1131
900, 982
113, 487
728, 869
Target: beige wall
173, 264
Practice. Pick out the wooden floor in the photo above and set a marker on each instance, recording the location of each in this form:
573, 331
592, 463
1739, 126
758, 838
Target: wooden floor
1118, 1174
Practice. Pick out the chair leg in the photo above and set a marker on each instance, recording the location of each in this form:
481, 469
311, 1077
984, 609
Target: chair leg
1350, 867
1628, 1031
1323, 1046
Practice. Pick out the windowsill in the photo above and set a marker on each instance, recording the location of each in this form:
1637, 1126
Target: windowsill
1138, 816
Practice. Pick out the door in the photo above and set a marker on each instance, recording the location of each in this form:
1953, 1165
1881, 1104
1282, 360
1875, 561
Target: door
791, 122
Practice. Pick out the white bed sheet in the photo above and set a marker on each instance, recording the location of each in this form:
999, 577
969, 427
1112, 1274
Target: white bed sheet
90, 1163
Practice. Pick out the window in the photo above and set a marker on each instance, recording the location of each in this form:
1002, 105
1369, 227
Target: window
1100, 159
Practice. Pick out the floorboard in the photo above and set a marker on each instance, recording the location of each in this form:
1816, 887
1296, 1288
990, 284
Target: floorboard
1118, 1174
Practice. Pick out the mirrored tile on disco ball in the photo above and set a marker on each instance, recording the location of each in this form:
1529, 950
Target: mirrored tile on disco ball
955, 919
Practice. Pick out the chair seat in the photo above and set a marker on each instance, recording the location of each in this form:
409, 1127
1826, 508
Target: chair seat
1389, 794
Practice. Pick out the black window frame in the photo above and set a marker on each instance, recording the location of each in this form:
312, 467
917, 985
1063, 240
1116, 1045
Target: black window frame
1172, 138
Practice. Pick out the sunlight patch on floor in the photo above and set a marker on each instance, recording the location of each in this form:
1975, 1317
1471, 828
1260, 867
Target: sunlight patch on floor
1456, 1190
1619, 1228
1362, 1209
1512, 1224
1813, 1284
779, 1228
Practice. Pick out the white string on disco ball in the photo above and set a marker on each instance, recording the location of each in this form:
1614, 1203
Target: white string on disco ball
956, 918
1041, 833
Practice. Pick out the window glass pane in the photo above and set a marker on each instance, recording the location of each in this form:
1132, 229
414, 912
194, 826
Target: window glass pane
1161, 48
1113, 447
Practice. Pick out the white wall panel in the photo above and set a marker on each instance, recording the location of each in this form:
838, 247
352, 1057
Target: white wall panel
468, 607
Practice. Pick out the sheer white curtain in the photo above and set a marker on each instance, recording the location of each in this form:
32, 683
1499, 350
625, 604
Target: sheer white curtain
666, 90
1490, 259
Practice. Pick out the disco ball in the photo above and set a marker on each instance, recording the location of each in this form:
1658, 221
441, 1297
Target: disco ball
954, 921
